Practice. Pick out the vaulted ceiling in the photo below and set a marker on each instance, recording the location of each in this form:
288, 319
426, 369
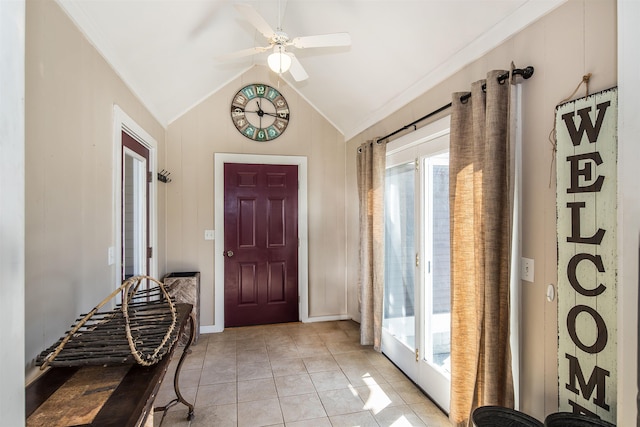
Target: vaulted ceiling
167, 51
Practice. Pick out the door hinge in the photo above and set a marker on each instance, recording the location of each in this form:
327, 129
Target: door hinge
149, 177
417, 355
417, 260
149, 252
417, 164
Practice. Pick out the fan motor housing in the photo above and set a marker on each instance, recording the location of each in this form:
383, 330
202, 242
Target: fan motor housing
279, 38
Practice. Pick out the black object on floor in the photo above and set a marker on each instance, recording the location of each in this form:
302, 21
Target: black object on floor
569, 419
498, 416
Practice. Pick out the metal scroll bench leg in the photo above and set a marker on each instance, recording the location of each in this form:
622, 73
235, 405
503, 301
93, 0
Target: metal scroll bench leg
176, 378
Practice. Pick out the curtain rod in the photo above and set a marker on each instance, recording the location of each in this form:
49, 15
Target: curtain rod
526, 73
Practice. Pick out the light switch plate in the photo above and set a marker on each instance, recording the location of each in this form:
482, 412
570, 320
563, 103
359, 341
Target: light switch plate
527, 269
209, 235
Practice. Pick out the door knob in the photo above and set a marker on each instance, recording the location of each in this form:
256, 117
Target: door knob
228, 254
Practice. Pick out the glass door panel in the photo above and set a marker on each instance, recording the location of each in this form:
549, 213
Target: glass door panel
434, 370
134, 215
437, 289
399, 321
400, 252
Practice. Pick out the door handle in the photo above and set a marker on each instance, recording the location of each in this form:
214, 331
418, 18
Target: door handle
228, 254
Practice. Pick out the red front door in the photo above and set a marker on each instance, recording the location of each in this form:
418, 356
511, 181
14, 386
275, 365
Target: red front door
261, 244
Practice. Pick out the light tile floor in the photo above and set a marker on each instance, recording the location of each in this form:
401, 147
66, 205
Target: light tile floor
294, 374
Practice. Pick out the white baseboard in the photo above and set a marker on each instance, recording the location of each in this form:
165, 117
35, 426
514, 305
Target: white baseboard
213, 329
210, 329
328, 318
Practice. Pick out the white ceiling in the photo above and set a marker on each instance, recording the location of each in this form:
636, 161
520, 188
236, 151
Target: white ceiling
166, 50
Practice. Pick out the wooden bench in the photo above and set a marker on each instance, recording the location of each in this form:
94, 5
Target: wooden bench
100, 396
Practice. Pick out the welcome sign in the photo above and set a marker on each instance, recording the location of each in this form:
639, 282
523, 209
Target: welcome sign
586, 162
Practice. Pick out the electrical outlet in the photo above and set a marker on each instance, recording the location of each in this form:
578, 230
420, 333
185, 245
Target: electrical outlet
209, 235
527, 269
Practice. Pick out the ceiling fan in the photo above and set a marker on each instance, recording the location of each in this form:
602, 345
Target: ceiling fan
281, 61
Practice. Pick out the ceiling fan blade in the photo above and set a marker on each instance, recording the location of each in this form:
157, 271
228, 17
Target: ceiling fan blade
297, 70
255, 19
242, 53
326, 40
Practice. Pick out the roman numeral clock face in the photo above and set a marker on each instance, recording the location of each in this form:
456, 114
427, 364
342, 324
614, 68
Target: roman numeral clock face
260, 112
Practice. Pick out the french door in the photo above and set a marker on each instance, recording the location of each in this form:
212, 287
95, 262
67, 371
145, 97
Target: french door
416, 317
135, 250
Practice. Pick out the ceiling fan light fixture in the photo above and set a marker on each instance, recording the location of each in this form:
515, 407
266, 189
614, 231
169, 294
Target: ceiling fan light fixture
279, 61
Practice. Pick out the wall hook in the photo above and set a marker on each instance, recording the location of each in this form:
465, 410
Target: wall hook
163, 176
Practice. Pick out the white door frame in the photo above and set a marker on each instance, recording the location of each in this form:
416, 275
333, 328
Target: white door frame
12, 215
628, 212
122, 122
303, 248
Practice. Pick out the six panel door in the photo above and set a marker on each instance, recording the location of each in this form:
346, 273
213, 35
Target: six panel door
261, 244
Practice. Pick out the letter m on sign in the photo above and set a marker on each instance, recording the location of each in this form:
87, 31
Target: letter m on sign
596, 381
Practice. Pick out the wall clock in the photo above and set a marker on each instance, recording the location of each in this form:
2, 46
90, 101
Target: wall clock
260, 112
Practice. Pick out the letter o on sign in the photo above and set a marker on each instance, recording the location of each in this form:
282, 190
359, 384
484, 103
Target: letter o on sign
601, 341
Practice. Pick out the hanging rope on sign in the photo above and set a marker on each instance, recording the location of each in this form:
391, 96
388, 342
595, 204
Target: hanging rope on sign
552, 134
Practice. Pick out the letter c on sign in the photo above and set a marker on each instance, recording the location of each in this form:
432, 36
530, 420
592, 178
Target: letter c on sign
601, 341
573, 277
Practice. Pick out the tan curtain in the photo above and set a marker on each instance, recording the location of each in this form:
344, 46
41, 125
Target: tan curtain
371, 168
480, 215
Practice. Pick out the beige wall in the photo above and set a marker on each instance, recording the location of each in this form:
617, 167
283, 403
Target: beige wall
576, 39
70, 94
206, 129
